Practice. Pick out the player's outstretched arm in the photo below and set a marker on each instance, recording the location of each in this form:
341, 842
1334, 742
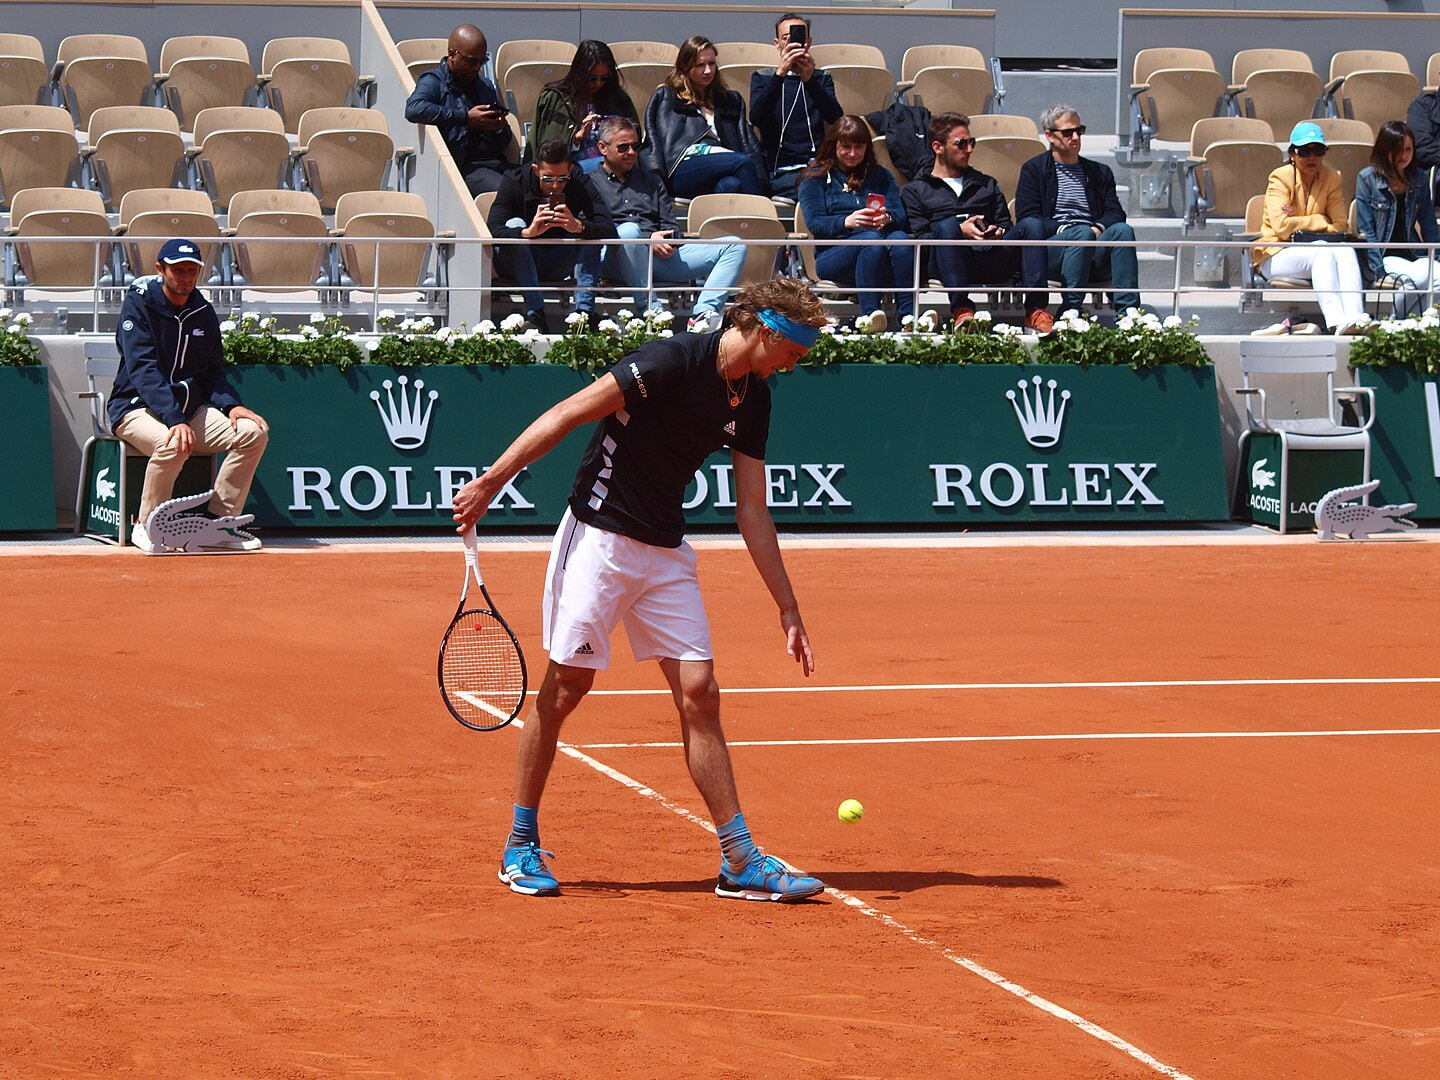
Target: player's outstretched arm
599, 399
757, 528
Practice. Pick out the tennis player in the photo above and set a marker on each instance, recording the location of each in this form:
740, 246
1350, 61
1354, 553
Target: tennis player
620, 555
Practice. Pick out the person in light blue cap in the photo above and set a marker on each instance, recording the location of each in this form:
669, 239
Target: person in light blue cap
1304, 195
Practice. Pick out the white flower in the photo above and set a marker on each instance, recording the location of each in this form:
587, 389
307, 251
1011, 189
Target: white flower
982, 316
24, 318
1007, 330
662, 318
227, 326
4, 313
445, 333
486, 327
667, 333
1127, 323
425, 323
1172, 321
253, 316
625, 315
1078, 324
829, 328
1069, 313
316, 318
371, 346
512, 322
268, 323
387, 313
14, 328
608, 326
575, 318
309, 333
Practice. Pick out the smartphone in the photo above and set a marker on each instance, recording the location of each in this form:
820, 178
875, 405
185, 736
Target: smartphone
557, 200
875, 201
800, 34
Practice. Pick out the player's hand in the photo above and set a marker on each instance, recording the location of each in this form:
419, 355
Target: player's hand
240, 412
470, 504
182, 438
797, 641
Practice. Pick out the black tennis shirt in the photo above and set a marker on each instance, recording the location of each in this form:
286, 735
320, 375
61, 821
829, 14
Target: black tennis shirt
677, 412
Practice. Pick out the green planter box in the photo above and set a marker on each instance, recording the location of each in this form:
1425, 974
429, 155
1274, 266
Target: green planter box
1405, 451
856, 444
27, 482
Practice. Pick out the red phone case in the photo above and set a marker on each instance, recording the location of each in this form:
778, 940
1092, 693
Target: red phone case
875, 201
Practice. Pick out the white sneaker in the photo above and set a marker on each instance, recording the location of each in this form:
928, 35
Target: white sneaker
874, 323
241, 542
705, 323
140, 538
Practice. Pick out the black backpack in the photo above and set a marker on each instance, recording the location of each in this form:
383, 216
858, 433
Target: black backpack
905, 128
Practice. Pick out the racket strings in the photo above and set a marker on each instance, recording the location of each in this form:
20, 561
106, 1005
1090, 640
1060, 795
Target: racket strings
482, 671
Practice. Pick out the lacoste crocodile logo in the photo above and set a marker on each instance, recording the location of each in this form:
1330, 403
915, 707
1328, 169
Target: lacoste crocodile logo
104, 487
1333, 514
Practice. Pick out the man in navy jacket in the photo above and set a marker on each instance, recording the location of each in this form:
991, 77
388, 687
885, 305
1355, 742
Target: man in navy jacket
1064, 195
793, 106
171, 397
465, 107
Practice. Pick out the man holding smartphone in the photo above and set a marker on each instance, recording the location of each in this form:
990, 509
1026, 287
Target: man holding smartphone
793, 106
457, 99
955, 202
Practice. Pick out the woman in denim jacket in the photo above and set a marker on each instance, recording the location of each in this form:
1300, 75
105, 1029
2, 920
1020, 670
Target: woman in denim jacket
834, 196
1392, 197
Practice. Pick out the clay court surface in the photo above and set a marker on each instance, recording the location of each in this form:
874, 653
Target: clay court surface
240, 836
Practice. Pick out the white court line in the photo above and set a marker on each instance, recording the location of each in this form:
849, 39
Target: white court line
481, 703
1063, 737
1129, 685
996, 979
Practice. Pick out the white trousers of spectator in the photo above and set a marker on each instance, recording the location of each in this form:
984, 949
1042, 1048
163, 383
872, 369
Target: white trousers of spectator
242, 445
1420, 271
1333, 271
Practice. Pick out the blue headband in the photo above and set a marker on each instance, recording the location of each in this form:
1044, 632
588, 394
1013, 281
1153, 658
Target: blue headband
799, 333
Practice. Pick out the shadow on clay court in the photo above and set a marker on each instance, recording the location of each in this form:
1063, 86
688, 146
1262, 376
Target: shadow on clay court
869, 881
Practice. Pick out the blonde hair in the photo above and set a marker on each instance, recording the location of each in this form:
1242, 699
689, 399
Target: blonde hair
787, 296
679, 79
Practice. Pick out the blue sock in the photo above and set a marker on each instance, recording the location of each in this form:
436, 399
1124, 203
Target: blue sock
735, 842
525, 829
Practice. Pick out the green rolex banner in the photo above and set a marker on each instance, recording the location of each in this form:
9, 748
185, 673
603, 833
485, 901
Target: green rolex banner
1405, 441
849, 445
27, 484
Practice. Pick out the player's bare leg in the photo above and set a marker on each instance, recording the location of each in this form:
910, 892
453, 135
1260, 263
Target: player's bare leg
523, 866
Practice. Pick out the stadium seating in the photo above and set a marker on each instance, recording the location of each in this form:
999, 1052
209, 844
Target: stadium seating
642, 79
530, 50
422, 54
37, 149
644, 52
255, 216
1279, 86
862, 90
238, 149
523, 83
749, 217
1171, 89
39, 213
881, 146
304, 73
94, 71
132, 146
1001, 157
761, 53
831, 293
737, 78
150, 216
389, 214
984, 124
198, 73
1231, 158
344, 150
23, 74
947, 78
1371, 85
840, 54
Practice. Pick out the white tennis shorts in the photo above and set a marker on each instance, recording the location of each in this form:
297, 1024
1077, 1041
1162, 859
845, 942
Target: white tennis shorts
598, 579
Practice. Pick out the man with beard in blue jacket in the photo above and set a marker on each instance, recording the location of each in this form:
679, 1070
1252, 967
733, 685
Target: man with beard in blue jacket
171, 397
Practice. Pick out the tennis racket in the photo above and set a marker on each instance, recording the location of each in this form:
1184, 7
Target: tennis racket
481, 668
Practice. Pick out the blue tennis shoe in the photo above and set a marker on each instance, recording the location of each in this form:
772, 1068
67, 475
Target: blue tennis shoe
524, 869
765, 878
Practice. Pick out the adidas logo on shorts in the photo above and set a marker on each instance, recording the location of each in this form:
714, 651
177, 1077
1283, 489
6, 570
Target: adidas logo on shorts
730, 428
585, 650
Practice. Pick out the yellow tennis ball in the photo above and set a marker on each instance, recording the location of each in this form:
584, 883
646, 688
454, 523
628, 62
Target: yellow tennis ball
851, 811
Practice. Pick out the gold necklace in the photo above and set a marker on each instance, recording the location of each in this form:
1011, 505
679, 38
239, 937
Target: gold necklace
736, 396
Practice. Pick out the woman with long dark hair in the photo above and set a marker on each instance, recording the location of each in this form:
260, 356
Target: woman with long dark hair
847, 195
696, 133
1393, 205
570, 108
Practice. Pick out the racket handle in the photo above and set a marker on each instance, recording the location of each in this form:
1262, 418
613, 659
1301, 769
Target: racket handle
472, 563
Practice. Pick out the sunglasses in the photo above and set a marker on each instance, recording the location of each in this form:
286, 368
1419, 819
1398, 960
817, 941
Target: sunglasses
1067, 133
625, 147
963, 144
552, 179
1312, 150
599, 78
473, 61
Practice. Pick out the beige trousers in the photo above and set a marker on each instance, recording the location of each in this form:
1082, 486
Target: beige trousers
242, 446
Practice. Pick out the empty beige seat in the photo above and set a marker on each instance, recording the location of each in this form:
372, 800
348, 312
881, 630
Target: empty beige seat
150, 216
383, 214
1338, 129
642, 79
1279, 86
983, 124
1347, 158
737, 78
422, 54
1001, 156
343, 150
23, 74
137, 146
861, 90
239, 148
919, 57
204, 72
524, 81
644, 52
828, 55
304, 73
96, 71
1170, 90
747, 217
257, 216
531, 50
37, 148
61, 212
1231, 158
953, 89
1376, 96
747, 52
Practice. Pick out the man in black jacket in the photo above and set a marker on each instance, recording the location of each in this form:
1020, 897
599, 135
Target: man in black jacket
956, 202
1424, 120
550, 200
465, 107
1063, 195
793, 106
171, 397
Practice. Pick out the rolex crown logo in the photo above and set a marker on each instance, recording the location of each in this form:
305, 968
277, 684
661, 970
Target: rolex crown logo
1041, 414
407, 421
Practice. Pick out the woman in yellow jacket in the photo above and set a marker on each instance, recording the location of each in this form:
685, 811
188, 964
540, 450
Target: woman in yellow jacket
1304, 194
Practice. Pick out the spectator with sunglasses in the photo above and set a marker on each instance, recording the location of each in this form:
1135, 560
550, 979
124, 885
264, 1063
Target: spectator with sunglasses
1304, 195
570, 108
454, 97
1068, 197
641, 207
